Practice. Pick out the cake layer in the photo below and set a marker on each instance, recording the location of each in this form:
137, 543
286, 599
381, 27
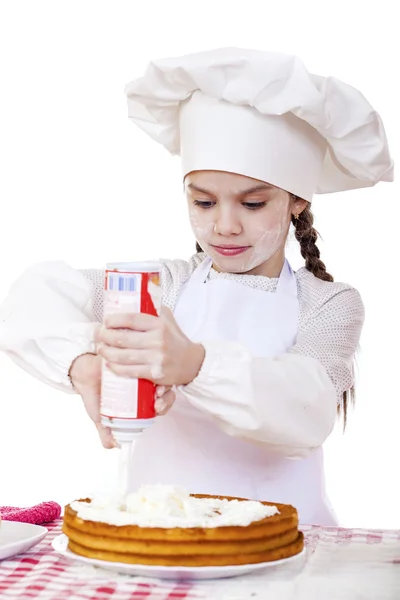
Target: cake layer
177, 548
192, 561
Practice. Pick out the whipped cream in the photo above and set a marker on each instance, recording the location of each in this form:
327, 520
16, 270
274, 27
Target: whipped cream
170, 506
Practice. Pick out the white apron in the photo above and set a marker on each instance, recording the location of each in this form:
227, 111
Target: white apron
187, 448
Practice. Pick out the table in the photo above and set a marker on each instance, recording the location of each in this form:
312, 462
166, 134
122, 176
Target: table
339, 563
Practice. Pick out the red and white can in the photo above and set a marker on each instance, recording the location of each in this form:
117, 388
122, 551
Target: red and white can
127, 405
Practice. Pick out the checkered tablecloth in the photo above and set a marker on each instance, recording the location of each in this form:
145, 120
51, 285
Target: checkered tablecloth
43, 574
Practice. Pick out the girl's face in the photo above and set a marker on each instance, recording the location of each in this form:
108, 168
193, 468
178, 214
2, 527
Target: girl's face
241, 223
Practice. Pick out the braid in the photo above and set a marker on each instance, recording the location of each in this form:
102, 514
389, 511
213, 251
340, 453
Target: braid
307, 236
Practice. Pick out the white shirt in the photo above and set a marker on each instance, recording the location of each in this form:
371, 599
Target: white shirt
52, 311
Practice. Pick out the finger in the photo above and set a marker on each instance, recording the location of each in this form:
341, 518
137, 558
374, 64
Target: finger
161, 390
134, 321
127, 338
126, 356
105, 436
164, 404
153, 372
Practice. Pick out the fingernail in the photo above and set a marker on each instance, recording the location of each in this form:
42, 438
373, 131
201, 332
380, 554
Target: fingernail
160, 405
160, 391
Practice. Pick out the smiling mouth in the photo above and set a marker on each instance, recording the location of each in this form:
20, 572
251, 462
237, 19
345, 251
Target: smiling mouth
227, 250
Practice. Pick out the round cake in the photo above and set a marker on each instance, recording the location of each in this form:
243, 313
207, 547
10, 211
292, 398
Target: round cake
166, 526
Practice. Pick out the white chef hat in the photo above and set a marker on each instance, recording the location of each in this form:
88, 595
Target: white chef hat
263, 115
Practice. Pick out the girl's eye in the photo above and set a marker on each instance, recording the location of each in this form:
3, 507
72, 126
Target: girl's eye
204, 203
210, 203
254, 205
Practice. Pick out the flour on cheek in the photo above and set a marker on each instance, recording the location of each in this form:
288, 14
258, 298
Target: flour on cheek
267, 245
203, 227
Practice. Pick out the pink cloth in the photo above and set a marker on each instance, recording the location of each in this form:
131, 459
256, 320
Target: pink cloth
45, 512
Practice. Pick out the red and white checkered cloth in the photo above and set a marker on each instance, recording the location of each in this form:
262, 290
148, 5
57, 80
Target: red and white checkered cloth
42, 573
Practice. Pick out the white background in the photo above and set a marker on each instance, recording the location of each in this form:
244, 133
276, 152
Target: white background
80, 183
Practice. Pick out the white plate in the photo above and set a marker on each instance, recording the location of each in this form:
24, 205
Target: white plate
177, 573
18, 537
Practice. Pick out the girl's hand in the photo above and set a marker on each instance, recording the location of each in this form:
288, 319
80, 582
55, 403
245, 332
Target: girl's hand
147, 347
85, 375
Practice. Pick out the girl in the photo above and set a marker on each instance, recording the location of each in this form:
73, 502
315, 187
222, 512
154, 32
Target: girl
260, 357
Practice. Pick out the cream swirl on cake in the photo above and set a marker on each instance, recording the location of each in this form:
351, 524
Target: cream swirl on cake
171, 506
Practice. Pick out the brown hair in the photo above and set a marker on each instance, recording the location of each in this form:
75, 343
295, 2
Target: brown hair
307, 237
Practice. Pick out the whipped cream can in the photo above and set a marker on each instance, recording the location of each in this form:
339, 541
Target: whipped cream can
127, 404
